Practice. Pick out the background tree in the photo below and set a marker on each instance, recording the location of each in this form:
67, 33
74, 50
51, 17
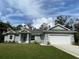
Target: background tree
77, 26
70, 24
67, 21
30, 26
44, 26
61, 20
18, 27
3, 28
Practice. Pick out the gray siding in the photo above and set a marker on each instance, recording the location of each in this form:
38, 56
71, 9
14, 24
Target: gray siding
46, 39
38, 39
17, 38
7, 38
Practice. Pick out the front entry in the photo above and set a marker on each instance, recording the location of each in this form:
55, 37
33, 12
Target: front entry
23, 38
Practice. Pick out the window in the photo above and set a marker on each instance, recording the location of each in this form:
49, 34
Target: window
32, 37
11, 36
17, 34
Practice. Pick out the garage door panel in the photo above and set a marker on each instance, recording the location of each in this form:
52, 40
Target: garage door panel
60, 39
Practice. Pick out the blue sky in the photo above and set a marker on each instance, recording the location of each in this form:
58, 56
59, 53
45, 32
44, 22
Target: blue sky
36, 11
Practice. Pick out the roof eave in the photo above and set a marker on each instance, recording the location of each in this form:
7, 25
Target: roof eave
59, 31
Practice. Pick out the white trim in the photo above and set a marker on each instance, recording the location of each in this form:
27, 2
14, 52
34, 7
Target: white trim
60, 26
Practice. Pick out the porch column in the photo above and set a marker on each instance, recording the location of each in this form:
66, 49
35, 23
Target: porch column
19, 39
27, 39
73, 41
46, 39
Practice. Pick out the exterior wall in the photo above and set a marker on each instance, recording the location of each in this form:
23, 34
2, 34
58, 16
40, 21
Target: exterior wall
38, 39
7, 38
58, 28
45, 41
17, 38
46, 37
42, 39
73, 40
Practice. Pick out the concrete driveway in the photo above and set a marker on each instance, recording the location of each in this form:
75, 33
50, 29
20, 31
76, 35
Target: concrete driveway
71, 49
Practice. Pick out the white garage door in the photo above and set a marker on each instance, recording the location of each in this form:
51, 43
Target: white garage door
60, 39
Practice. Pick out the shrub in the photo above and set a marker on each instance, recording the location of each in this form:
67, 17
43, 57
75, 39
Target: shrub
11, 42
36, 42
48, 43
76, 36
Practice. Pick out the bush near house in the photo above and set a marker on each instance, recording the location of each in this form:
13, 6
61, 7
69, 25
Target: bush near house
77, 38
1, 38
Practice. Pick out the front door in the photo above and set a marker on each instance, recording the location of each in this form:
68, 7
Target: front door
24, 38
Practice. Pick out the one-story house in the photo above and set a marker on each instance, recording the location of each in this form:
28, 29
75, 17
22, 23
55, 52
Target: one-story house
55, 35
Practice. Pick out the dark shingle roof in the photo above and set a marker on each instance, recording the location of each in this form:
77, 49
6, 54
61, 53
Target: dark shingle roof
36, 32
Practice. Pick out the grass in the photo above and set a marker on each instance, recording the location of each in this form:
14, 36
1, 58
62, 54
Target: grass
31, 51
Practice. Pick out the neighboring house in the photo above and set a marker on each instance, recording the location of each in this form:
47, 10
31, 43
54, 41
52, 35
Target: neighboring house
55, 35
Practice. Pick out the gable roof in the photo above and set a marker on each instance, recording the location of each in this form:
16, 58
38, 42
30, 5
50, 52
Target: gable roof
59, 27
23, 31
36, 32
10, 31
56, 29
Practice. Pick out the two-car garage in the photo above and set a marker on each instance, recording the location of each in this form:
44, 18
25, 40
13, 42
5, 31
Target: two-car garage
60, 39
59, 35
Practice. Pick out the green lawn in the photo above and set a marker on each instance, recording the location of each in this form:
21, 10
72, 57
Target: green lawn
31, 51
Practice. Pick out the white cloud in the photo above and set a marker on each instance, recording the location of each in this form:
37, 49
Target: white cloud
9, 10
28, 7
6, 18
38, 22
33, 8
70, 12
2, 5
5, 21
